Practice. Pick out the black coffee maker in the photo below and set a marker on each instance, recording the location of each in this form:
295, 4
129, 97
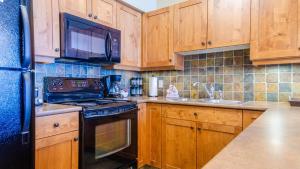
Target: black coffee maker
112, 84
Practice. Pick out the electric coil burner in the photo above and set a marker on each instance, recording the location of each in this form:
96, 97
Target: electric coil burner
108, 127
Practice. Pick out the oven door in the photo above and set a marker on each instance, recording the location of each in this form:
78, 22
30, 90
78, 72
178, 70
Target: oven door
109, 142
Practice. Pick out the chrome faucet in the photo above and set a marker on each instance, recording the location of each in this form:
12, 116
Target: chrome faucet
210, 90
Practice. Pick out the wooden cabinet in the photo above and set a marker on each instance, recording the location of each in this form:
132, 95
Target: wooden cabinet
179, 144
228, 23
249, 116
104, 12
129, 22
190, 25
56, 144
158, 53
275, 31
101, 11
154, 114
142, 135
81, 8
46, 30
211, 139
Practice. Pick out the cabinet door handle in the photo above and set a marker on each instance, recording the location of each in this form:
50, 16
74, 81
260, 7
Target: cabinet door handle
90, 15
76, 139
203, 43
170, 60
55, 125
56, 49
195, 114
95, 17
192, 128
209, 43
199, 129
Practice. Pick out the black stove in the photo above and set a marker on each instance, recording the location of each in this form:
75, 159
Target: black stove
108, 127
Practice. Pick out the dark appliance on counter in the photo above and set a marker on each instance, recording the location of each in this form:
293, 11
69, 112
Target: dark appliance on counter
108, 127
112, 86
17, 84
86, 41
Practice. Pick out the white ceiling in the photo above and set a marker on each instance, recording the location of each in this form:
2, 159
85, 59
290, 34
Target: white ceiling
149, 5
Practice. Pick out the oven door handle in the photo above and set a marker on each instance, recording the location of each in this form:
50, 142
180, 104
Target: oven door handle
111, 115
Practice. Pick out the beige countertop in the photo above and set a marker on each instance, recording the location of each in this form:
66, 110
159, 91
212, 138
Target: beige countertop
50, 109
271, 142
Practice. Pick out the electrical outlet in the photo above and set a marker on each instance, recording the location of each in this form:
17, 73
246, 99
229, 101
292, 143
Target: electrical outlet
160, 84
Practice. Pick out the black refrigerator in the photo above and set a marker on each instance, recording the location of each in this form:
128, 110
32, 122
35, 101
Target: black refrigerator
16, 86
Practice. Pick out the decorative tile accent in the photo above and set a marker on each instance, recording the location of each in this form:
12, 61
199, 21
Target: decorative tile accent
233, 73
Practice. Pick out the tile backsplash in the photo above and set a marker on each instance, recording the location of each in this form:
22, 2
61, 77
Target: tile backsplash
74, 70
233, 73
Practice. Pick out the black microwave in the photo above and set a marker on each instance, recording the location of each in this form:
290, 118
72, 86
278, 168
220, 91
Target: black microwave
86, 41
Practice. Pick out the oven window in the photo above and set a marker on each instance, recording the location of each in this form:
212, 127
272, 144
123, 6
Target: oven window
112, 137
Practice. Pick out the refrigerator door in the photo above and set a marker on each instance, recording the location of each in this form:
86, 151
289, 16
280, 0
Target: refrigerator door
16, 120
15, 34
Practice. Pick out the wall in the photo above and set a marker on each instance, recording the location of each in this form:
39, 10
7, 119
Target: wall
146, 6
72, 70
165, 3
233, 73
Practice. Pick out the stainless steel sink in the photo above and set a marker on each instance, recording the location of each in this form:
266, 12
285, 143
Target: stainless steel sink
217, 101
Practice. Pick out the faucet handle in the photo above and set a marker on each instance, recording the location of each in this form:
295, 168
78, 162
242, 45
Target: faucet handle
220, 94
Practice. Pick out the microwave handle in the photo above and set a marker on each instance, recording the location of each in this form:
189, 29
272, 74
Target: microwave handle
109, 46
106, 46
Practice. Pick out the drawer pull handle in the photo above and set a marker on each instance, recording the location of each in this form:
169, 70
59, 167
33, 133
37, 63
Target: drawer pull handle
195, 114
55, 125
192, 128
199, 129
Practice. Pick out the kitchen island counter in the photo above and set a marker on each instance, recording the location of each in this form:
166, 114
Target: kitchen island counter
51, 109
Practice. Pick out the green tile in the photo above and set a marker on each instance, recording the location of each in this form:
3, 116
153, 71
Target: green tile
285, 87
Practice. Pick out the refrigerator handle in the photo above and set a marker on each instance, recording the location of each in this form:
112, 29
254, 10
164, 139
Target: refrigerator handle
27, 38
27, 99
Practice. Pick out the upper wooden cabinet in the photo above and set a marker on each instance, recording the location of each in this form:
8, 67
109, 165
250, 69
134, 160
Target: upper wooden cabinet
275, 34
104, 12
228, 23
190, 25
100, 11
129, 22
158, 50
46, 30
81, 8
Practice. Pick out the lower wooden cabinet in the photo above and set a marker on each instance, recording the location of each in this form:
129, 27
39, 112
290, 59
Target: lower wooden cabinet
154, 114
142, 135
179, 144
211, 139
57, 152
57, 149
249, 116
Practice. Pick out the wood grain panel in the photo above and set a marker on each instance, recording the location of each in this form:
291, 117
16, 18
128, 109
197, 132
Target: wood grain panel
45, 126
228, 23
190, 25
249, 116
104, 12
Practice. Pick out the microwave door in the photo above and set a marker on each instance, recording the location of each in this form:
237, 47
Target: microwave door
99, 45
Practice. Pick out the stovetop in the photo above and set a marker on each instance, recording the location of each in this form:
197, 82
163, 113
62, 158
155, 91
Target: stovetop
103, 107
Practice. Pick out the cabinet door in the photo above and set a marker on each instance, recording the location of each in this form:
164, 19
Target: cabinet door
228, 23
158, 38
190, 25
249, 117
129, 22
179, 144
104, 12
46, 28
142, 135
211, 139
80, 8
154, 118
57, 152
274, 29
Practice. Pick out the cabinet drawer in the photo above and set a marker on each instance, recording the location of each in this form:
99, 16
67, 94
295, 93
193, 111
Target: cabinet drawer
231, 117
186, 112
56, 124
